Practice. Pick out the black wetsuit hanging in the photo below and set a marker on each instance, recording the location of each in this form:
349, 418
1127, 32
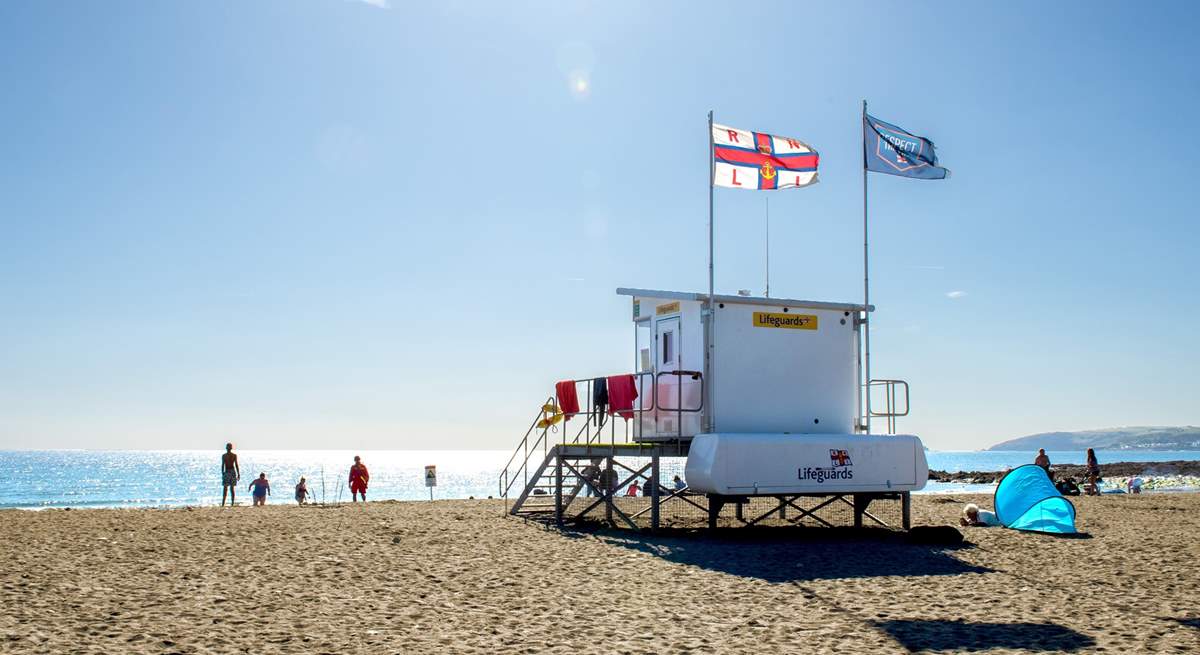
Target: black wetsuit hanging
600, 400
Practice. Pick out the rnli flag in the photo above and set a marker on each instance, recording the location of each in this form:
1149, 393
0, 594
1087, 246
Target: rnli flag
896, 151
753, 160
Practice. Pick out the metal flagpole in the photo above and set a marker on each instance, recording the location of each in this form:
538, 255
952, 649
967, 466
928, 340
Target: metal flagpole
866, 282
712, 308
768, 293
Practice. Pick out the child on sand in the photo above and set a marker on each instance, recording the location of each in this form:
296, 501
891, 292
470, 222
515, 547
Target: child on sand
260, 488
302, 491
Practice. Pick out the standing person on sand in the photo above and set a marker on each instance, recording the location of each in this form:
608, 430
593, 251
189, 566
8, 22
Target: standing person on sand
230, 474
358, 480
1093, 472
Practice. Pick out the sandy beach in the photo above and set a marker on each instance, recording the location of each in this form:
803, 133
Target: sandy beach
457, 577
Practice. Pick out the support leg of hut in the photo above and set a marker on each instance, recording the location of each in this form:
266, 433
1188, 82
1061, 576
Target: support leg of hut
906, 509
715, 503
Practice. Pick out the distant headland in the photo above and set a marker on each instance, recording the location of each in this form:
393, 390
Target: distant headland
1127, 438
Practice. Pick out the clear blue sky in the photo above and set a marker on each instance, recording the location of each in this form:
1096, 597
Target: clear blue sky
327, 223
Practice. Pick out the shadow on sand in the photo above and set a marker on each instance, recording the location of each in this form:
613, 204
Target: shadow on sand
792, 554
961, 636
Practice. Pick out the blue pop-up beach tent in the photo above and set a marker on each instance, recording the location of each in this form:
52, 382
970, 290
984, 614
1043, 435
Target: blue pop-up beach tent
1026, 499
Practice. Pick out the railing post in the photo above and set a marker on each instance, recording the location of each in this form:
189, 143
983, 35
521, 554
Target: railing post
608, 489
679, 406
654, 492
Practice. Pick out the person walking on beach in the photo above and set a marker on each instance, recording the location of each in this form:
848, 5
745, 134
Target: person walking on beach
302, 491
230, 474
358, 480
260, 488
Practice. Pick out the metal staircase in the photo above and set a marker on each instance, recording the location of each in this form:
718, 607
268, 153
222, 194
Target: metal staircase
541, 461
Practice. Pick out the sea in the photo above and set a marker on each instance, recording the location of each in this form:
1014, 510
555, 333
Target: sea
38, 479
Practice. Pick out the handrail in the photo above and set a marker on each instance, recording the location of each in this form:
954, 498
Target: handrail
505, 483
889, 394
695, 375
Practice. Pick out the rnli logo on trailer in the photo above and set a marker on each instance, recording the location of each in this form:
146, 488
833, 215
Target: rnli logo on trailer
839, 458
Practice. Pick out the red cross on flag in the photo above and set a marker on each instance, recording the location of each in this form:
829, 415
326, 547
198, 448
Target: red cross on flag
753, 160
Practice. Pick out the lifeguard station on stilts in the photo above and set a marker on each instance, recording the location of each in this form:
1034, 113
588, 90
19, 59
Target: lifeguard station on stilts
768, 401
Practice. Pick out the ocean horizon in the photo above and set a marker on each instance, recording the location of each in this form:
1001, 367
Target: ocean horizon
79, 478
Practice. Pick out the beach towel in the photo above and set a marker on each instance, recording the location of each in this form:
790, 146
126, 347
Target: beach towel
621, 393
568, 399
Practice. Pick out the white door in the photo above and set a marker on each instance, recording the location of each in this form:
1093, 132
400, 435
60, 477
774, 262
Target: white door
666, 340
667, 358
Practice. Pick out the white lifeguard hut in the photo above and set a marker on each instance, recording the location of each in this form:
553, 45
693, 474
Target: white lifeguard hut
777, 409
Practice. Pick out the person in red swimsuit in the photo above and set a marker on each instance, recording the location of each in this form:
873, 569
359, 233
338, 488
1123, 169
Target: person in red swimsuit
358, 480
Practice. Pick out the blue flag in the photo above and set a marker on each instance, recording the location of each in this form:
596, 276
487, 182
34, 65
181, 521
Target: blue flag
893, 150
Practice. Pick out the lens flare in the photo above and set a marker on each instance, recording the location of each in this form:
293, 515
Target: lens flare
579, 84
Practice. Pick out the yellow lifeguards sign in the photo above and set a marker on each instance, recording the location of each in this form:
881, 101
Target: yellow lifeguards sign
669, 308
788, 321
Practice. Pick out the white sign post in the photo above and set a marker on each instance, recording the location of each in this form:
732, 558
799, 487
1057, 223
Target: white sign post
431, 479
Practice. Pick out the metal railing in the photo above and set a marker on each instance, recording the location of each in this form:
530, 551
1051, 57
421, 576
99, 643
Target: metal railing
679, 409
889, 395
595, 419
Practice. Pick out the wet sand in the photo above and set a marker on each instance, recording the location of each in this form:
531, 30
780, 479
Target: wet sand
457, 577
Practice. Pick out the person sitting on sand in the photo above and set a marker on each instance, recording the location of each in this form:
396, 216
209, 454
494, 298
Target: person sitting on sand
633, 489
358, 480
1067, 487
1134, 486
1042, 459
678, 484
230, 474
975, 517
260, 488
302, 491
